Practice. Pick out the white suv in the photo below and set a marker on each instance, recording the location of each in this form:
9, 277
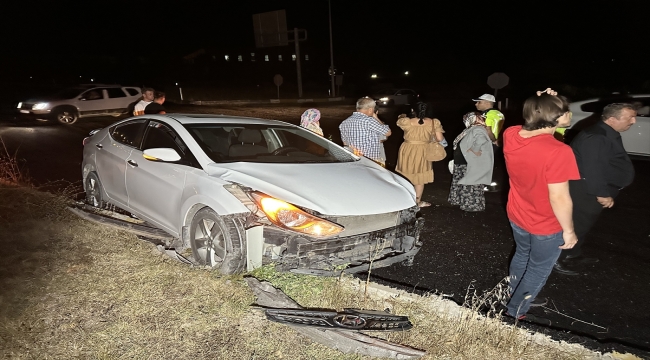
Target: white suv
68, 105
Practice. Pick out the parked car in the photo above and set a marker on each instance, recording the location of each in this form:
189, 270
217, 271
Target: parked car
70, 104
240, 192
390, 97
636, 140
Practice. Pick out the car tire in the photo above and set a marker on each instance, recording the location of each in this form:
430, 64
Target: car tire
94, 191
218, 242
66, 115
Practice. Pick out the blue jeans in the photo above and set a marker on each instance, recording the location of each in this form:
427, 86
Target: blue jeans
530, 267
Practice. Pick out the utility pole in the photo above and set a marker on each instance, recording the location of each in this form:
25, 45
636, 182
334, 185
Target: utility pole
332, 73
297, 40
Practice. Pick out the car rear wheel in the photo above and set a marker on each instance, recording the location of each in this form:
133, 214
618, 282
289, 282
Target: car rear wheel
94, 191
217, 242
66, 116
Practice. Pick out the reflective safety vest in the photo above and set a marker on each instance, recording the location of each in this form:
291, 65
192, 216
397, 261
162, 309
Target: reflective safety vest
494, 120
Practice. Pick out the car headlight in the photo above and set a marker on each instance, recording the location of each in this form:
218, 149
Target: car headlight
20, 104
383, 99
287, 216
40, 106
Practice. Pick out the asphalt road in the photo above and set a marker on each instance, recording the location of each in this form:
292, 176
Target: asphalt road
604, 308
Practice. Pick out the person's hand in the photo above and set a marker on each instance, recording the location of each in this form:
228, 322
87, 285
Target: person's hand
548, 91
476, 153
570, 240
606, 202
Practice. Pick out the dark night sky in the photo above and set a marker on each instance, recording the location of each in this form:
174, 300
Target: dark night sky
429, 37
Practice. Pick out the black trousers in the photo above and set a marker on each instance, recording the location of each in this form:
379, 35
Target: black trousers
586, 210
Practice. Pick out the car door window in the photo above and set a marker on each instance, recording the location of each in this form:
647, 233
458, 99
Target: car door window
642, 106
115, 93
94, 94
159, 135
128, 133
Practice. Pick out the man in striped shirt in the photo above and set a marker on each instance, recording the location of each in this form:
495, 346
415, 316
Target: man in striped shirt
147, 98
363, 131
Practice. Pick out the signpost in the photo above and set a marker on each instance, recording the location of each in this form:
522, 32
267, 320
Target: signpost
498, 81
277, 80
271, 30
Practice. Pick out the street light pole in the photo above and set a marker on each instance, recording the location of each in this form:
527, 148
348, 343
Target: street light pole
333, 75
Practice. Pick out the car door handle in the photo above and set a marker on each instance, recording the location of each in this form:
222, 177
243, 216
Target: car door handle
99, 146
133, 163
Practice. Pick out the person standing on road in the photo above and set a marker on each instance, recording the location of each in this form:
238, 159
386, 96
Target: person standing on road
362, 131
473, 164
539, 205
605, 169
493, 117
419, 131
156, 106
147, 98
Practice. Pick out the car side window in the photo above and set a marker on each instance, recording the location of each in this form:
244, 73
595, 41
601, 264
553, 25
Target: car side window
642, 106
94, 94
128, 133
159, 135
132, 91
115, 93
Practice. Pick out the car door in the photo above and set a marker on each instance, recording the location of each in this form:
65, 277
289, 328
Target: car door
155, 189
117, 101
112, 154
401, 98
92, 102
636, 140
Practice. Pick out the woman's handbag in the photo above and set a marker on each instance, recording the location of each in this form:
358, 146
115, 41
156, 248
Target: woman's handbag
435, 152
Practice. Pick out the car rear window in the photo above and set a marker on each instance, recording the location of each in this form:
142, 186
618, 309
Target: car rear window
265, 144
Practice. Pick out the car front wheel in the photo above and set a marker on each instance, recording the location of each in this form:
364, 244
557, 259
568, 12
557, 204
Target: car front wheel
218, 242
66, 116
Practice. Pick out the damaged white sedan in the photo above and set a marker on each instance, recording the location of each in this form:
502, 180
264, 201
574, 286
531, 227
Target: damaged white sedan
237, 193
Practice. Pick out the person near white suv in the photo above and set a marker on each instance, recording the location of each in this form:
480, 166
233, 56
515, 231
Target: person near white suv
147, 98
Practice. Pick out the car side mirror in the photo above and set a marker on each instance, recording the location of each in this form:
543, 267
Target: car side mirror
161, 154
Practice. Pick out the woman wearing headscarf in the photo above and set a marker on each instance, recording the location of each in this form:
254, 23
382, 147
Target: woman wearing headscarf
473, 164
310, 121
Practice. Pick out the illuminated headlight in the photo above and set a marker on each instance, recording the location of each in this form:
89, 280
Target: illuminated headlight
383, 99
290, 217
40, 106
20, 104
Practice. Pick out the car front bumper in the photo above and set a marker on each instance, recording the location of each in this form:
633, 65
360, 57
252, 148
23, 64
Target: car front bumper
354, 253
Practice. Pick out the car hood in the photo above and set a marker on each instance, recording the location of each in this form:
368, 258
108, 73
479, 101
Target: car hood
354, 188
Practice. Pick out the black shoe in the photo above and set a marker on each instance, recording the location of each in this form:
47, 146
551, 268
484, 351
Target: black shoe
561, 269
581, 260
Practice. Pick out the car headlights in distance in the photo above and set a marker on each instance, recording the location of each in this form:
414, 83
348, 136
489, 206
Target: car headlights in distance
20, 104
40, 106
383, 99
290, 217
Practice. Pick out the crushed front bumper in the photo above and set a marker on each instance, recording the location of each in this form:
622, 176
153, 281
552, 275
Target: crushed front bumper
354, 253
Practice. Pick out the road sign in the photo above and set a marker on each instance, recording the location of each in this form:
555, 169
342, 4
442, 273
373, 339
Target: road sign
498, 80
277, 80
270, 29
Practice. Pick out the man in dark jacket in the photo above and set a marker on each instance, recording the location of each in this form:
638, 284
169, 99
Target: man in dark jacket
605, 168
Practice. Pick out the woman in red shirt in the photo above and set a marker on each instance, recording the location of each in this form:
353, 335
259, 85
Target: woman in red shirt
539, 205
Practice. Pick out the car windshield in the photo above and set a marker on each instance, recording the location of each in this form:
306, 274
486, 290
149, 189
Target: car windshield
69, 93
265, 144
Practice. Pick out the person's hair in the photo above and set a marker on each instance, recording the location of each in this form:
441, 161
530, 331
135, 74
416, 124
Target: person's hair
420, 111
365, 103
144, 90
614, 110
543, 111
158, 95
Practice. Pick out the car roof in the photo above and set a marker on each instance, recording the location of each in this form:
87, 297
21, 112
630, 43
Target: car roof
612, 97
220, 119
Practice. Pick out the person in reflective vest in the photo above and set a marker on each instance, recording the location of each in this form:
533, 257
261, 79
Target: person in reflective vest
493, 117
